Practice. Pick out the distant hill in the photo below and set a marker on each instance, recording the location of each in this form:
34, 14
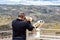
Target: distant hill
50, 14
47, 13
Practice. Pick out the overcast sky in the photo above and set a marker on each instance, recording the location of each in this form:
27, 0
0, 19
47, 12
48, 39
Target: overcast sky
31, 2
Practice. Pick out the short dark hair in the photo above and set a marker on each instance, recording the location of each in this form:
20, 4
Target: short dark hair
21, 14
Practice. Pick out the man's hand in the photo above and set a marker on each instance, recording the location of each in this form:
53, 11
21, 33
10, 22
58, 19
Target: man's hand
28, 18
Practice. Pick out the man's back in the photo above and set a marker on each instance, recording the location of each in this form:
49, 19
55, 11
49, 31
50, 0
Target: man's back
19, 28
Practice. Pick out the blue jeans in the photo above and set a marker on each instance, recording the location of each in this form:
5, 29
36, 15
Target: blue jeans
18, 38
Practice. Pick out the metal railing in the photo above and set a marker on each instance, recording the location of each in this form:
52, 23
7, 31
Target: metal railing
48, 36
44, 37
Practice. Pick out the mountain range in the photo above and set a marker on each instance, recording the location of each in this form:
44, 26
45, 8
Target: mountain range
48, 13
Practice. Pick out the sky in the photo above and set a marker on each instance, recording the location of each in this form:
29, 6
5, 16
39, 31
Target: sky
31, 2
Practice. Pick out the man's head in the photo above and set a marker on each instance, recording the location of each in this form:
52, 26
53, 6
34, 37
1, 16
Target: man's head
21, 16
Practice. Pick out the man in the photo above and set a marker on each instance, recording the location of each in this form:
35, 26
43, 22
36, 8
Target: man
19, 27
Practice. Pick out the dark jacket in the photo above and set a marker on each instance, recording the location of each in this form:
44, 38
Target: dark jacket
19, 28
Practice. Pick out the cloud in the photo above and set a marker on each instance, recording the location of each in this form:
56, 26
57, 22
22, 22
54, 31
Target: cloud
39, 2
9, 1
31, 2
49, 0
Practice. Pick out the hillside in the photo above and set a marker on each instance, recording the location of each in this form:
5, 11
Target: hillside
50, 14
